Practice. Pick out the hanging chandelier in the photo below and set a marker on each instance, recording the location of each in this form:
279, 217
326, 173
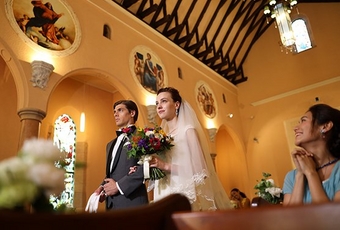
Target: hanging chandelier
280, 10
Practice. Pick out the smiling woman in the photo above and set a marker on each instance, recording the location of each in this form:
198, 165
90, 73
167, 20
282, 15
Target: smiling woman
316, 177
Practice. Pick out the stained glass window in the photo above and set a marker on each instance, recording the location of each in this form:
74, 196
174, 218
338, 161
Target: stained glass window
65, 139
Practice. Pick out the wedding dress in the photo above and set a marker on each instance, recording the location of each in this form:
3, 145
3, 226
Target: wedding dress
193, 173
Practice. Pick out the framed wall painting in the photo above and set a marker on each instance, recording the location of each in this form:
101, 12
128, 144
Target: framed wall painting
147, 69
205, 99
45, 25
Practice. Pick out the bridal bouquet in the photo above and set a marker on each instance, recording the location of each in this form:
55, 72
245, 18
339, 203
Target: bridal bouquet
268, 191
145, 142
31, 177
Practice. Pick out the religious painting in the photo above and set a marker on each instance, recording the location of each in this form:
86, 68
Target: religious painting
206, 99
49, 25
147, 69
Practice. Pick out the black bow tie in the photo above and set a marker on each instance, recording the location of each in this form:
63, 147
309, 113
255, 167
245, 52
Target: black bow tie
127, 130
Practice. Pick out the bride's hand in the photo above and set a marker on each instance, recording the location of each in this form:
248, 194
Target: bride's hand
156, 162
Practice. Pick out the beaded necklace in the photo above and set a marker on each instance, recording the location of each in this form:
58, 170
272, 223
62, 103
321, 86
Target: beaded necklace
325, 165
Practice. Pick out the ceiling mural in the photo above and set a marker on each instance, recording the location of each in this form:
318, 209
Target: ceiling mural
48, 25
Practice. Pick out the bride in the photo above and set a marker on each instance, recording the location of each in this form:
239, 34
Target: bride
188, 165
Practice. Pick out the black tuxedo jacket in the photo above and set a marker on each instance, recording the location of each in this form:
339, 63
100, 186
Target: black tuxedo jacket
132, 186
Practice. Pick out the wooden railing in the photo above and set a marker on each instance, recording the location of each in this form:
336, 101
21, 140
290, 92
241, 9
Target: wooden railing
174, 213
312, 216
156, 216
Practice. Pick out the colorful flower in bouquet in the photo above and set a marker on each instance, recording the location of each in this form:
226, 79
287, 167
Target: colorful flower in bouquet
268, 191
145, 142
31, 177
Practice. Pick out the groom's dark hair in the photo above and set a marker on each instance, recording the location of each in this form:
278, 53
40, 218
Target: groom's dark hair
130, 105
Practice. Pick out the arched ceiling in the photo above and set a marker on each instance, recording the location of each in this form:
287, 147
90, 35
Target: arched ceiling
219, 33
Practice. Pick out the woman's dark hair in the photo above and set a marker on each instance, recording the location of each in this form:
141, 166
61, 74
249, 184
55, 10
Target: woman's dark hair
322, 114
242, 194
235, 190
174, 93
130, 105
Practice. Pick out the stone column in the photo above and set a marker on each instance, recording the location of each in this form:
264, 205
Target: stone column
30, 123
213, 156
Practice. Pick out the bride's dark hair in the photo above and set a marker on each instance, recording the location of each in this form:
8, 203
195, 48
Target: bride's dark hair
174, 93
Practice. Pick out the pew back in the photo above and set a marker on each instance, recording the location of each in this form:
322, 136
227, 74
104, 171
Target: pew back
155, 216
313, 216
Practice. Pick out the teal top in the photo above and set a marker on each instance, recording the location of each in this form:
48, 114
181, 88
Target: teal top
331, 185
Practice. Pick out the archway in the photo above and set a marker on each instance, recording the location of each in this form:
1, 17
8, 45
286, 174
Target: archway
88, 91
230, 161
9, 119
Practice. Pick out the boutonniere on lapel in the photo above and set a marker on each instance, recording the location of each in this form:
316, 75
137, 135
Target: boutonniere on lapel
127, 130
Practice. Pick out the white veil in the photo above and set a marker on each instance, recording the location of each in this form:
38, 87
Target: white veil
195, 174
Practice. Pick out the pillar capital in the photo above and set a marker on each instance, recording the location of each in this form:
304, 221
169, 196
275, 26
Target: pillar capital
31, 114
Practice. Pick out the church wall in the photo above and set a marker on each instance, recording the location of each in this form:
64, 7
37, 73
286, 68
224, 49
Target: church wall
270, 73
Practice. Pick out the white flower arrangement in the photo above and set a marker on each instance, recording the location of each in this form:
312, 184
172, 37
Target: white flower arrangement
31, 174
268, 191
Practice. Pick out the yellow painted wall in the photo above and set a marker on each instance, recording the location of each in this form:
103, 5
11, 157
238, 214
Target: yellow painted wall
293, 80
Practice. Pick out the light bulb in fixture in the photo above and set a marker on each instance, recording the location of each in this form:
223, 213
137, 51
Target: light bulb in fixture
293, 2
266, 10
272, 2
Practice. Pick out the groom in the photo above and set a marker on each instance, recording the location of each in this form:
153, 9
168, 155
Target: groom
119, 189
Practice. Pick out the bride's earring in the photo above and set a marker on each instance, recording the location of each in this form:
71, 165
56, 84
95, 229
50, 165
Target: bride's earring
177, 112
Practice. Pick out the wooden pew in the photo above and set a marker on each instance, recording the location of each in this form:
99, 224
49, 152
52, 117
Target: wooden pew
259, 202
313, 216
155, 216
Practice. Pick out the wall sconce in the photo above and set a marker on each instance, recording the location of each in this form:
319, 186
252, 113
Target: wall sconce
230, 115
280, 10
212, 133
41, 72
82, 122
151, 109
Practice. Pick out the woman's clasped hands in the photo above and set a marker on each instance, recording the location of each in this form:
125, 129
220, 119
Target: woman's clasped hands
303, 160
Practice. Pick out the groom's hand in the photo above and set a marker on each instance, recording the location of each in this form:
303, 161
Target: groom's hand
110, 187
99, 190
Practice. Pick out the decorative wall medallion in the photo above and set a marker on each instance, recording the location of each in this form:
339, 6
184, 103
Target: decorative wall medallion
147, 69
48, 25
206, 99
